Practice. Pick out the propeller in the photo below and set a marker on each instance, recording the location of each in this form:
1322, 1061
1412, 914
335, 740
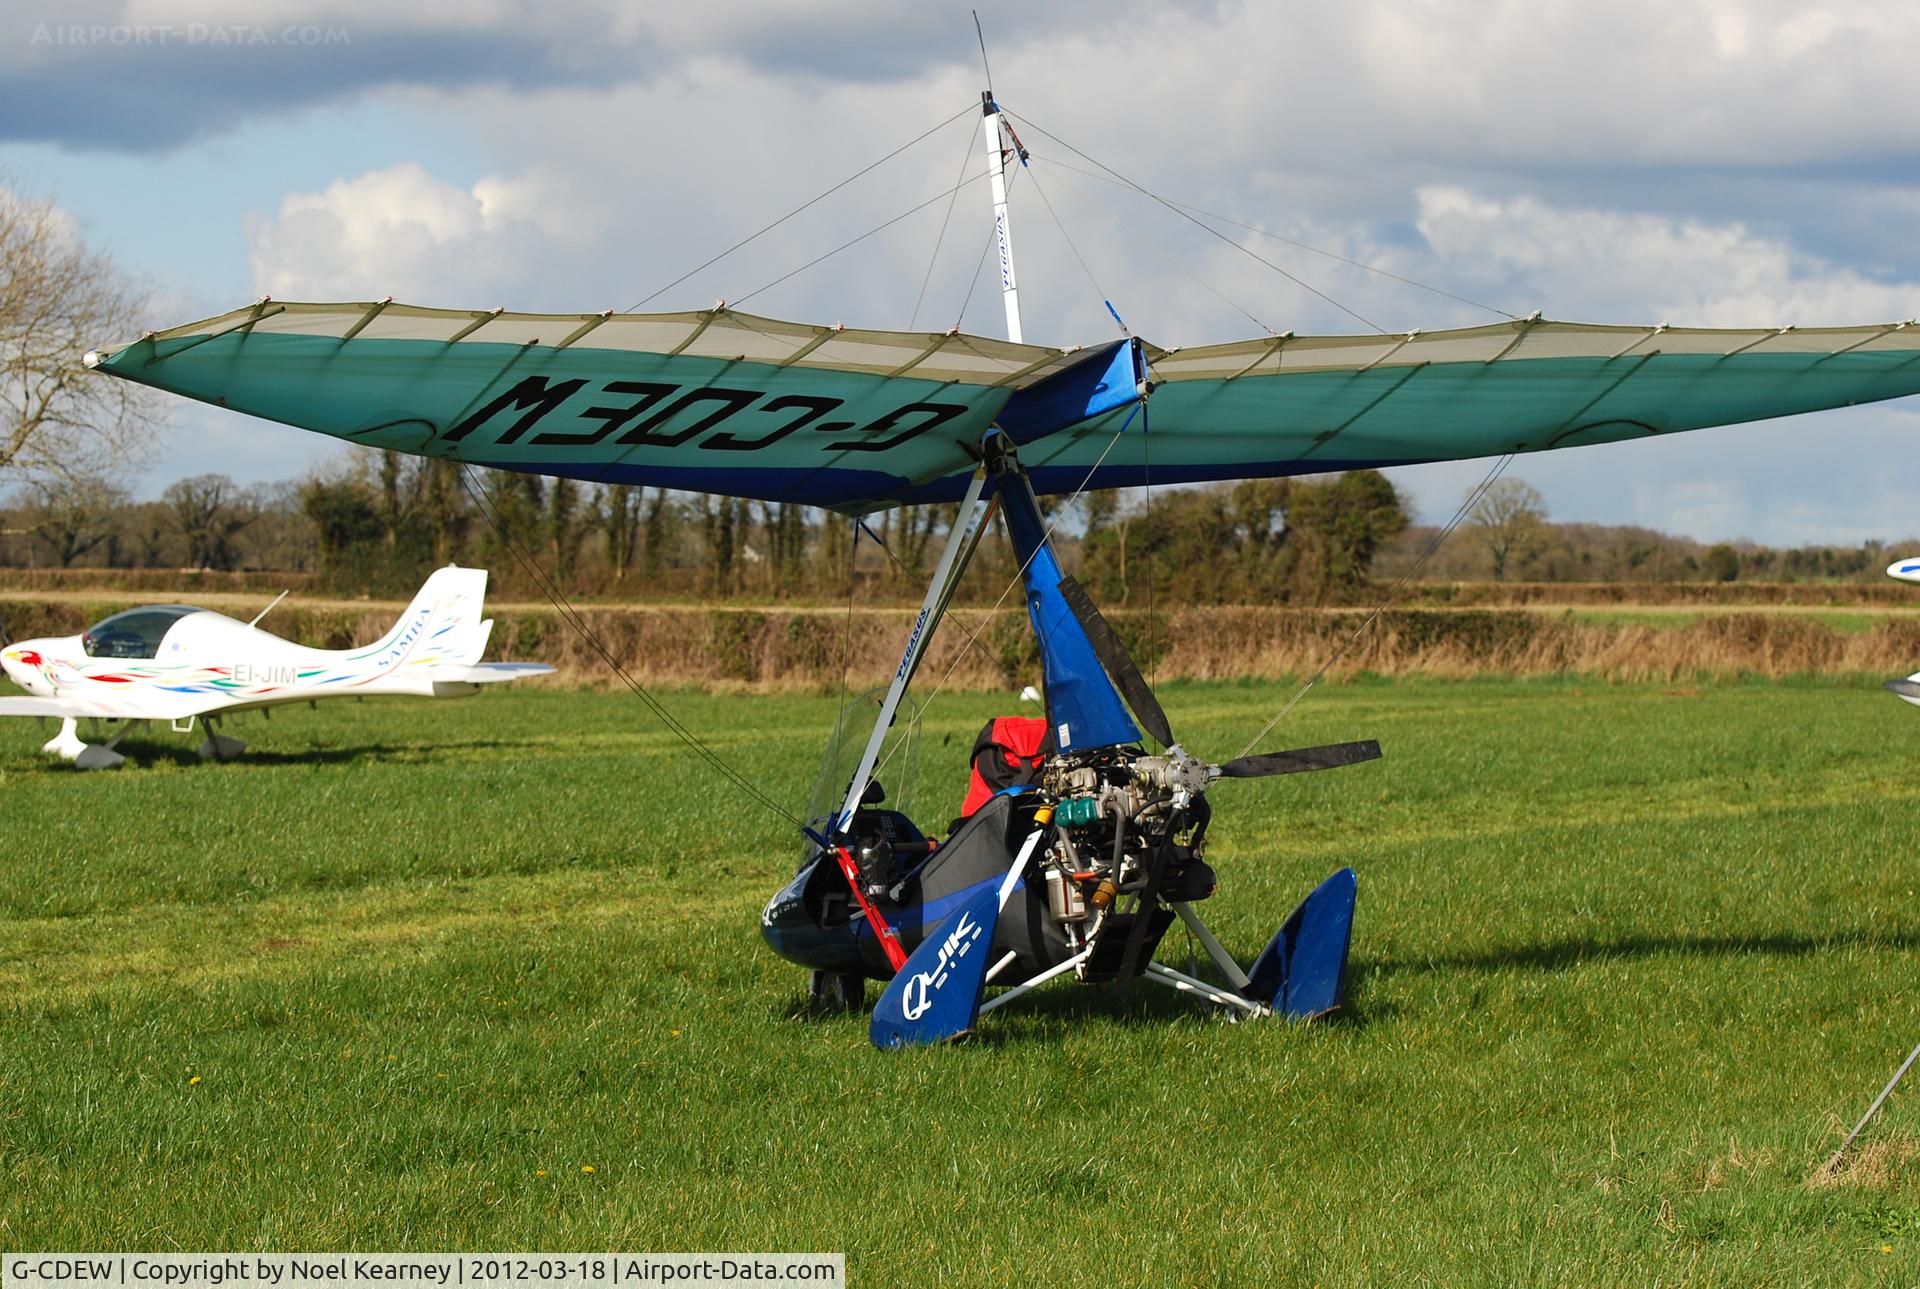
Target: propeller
1904, 688
1114, 657
1330, 756
1133, 687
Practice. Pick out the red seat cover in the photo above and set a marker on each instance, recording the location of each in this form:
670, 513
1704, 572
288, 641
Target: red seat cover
1017, 742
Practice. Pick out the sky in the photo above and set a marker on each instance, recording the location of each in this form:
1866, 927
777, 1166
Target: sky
1697, 162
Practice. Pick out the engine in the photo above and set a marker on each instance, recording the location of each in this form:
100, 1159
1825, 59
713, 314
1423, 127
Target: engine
1125, 824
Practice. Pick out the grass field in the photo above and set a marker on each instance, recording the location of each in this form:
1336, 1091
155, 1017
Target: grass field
488, 975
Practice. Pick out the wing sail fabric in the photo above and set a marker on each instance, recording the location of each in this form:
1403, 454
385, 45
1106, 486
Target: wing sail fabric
725, 402
716, 401
1305, 405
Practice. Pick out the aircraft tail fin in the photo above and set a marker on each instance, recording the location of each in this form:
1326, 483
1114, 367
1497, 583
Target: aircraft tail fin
442, 624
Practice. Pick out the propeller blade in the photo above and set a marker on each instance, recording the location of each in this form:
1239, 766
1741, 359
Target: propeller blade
1330, 757
1119, 663
1904, 688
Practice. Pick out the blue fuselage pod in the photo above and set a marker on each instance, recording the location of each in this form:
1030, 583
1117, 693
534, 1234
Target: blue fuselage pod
813, 920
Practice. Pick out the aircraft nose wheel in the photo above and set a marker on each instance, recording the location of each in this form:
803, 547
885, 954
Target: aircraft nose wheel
830, 994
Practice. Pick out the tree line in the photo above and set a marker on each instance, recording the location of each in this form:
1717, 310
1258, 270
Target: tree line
376, 522
1507, 536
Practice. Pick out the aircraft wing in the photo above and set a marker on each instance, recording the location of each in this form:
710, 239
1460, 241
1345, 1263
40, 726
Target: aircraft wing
725, 402
54, 707
490, 673
149, 708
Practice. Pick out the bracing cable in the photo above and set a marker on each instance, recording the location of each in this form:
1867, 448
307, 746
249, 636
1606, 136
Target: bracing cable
973, 637
1309, 247
1211, 231
751, 237
938, 242
1021, 572
1146, 479
877, 228
986, 248
1151, 245
1467, 504
1067, 237
572, 618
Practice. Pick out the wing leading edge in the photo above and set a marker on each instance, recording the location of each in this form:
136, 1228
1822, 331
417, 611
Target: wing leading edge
150, 707
728, 403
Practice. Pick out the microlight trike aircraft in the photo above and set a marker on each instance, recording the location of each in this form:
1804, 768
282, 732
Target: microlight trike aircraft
1083, 871
179, 664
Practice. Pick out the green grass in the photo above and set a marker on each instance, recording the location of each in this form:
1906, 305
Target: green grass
1627, 961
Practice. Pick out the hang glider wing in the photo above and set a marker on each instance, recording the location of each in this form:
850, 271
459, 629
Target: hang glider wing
725, 402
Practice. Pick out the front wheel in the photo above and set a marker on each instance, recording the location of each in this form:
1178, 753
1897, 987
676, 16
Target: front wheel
832, 994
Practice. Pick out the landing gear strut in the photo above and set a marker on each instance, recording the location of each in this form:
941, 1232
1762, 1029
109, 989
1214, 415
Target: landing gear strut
67, 745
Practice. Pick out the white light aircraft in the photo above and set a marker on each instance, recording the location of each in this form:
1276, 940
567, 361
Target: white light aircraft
175, 663
1906, 570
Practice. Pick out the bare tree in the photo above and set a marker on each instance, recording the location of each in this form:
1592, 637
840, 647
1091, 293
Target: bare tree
1510, 520
211, 511
58, 300
73, 514
566, 528
618, 513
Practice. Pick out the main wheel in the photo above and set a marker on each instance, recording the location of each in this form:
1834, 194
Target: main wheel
831, 994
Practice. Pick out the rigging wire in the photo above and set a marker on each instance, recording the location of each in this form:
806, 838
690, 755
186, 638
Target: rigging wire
803, 206
1067, 237
878, 228
572, 618
940, 241
1467, 504
1021, 572
1209, 229
986, 248
1293, 242
1146, 479
973, 637
853, 582
1153, 246
1345, 259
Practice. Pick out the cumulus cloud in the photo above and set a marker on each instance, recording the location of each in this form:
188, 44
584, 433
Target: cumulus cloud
402, 232
1628, 266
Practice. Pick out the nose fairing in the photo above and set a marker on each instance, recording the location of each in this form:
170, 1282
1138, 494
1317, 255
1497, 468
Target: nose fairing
23, 663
